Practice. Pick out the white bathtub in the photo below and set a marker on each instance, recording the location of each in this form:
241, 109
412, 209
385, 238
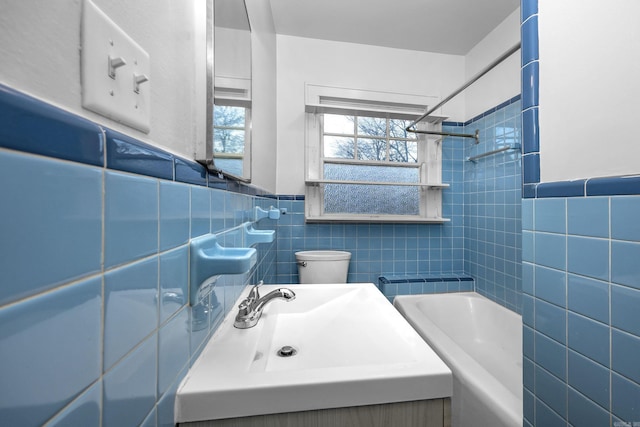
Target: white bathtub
481, 342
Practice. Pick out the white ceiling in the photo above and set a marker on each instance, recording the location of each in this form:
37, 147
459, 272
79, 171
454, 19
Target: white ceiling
443, 26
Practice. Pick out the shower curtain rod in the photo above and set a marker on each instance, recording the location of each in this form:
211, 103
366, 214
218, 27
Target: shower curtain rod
491, 153
471, 81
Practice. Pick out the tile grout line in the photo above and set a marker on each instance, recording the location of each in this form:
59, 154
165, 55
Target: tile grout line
609, 288
103, 311
158, 292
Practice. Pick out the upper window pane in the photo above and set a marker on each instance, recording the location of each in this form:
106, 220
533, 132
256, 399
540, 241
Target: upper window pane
228, 141
368, 139
339, 147
228, 129
334, 123
372, 126
372, 149
225, 116
397, 129
403, 151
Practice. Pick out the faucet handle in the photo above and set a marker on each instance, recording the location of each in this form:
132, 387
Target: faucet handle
244, 308
254, 295
246, 305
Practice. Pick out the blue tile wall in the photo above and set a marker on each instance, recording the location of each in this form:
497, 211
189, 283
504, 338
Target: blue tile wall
174, 214
376, 249
44, 369
26, 122
131, 209
602, 273
129, 155
530, 71
51, 214
391, 285
85, 410
130, 307
583, 412
493, 241
95, 326
129, 388
585, 298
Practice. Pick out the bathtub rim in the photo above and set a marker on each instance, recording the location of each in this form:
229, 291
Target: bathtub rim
501, 400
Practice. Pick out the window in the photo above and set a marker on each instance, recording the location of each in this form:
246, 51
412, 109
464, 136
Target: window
230, 135
362, 164
368, 138
369, 141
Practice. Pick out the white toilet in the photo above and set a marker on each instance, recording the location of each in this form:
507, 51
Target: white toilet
323, 266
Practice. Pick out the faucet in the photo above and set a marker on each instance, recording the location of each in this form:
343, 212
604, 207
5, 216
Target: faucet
250, 309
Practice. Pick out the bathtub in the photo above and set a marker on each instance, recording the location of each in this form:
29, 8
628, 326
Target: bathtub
481, 342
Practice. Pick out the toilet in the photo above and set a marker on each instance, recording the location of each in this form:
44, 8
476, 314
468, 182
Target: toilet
323, 266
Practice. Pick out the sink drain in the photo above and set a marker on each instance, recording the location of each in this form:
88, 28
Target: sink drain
287, 351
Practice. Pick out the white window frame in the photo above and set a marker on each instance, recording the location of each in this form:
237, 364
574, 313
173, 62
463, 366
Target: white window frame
245, 156
236, 92
324, 99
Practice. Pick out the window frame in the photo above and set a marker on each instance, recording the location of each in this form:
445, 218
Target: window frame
357, 136
246, 151
322, 100
234, 92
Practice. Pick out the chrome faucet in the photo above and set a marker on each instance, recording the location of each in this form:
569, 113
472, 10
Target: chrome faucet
250, 309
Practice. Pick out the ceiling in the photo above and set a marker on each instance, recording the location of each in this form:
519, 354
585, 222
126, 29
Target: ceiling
442, 26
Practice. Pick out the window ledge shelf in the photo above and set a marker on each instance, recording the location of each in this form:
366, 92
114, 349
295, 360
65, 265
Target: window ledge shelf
375, 219
431, 185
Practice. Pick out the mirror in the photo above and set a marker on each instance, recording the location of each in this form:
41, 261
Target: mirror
229, 84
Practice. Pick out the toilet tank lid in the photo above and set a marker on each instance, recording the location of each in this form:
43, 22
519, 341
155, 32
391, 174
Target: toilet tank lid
323, 255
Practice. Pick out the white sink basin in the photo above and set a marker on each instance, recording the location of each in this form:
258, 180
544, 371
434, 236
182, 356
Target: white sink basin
353, 348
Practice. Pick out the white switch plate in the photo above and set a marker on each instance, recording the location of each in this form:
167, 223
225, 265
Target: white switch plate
115, 97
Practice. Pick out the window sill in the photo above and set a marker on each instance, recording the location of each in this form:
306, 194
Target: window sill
345, 218
433, 186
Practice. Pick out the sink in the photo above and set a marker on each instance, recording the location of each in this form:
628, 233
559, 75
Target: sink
352, 348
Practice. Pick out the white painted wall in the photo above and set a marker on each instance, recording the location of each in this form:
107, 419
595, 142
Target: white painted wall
303, 60
589, 86
263, 119
503, 82
40, 53
233, 53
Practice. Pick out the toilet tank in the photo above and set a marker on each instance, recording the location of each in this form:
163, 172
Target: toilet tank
323, 266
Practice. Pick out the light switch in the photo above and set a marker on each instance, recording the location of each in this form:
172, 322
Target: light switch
116, 80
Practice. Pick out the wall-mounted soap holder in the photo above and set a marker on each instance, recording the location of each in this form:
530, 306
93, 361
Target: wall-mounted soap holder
253, 236
208, 259
259, 213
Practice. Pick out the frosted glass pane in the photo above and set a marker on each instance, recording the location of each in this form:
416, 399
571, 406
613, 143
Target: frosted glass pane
338, 147
334, 123
370, 173
371, 199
